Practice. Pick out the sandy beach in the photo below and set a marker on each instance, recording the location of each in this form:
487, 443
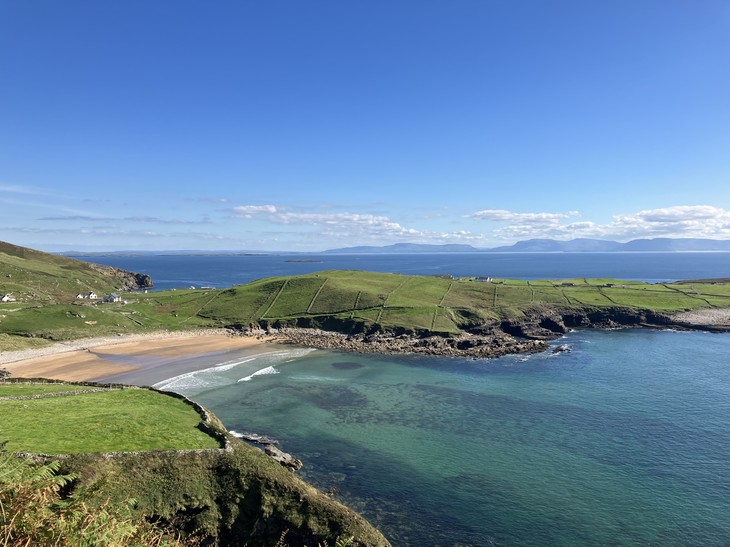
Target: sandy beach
129, 356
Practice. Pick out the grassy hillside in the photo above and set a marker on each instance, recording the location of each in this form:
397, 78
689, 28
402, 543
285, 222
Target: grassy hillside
35, 277
420, 303
234, 496
356, 301
70, 419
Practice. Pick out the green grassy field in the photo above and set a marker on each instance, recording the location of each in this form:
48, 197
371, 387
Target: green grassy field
117, 420
390, 301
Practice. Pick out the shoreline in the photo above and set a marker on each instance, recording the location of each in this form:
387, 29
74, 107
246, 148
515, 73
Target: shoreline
93, 359
129, 356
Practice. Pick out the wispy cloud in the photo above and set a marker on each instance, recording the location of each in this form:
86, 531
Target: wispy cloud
141, 219
703, 221
20, 189
527, 219
350, 227
114, 232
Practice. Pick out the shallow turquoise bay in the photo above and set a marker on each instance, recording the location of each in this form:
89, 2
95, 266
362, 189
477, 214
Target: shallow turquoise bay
623, 441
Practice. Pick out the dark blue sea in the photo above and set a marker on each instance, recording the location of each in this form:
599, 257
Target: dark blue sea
224, 271
625, 440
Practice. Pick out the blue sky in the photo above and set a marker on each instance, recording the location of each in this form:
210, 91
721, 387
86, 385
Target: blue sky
311, 125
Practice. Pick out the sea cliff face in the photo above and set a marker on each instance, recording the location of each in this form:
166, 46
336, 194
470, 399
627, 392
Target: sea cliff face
529, 333
128, 281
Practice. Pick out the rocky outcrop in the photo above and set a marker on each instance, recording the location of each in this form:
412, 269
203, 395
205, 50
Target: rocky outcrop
528, 333
271, 449
127, 281
547, 324
471, 345
713, 320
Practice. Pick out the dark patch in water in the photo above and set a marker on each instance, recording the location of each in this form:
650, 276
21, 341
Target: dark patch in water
336, 397
346, 365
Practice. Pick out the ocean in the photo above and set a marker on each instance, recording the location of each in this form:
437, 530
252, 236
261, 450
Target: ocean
170, 272
624, 440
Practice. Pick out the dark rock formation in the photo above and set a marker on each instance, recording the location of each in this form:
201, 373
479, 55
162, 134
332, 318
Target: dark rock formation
528, 333
287, 460
270, 448
383, 343
128, 281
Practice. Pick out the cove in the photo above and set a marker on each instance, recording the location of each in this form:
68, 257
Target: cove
623, 440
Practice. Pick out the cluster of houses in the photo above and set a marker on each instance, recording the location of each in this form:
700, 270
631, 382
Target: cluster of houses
90, 295
481, 279
108, 299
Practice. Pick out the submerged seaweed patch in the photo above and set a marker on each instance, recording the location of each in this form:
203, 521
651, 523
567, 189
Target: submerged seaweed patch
346, 365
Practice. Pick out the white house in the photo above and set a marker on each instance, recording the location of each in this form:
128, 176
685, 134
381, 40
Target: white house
91, 295
113, 297
7, 298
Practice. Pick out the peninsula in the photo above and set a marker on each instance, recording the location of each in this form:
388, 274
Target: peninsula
348, 310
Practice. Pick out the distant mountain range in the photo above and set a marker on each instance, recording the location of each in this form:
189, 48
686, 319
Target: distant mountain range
582, 245
402, 248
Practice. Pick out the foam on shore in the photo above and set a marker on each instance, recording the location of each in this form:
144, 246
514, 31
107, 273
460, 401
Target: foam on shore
223, 374
267, 370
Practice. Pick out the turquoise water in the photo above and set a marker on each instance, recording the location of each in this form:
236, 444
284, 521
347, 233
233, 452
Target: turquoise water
623, 441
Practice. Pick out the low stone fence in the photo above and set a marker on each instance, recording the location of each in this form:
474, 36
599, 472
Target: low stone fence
57, 394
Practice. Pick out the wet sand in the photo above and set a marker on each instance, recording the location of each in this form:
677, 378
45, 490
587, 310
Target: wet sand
141, 359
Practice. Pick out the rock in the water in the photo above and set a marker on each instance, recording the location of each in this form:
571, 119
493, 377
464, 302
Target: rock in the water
287, 460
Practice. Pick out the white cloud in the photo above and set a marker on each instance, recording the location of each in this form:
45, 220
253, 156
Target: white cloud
501, 215
680, 221
249, 211
136, 219
351, 227
702, 221
20, 189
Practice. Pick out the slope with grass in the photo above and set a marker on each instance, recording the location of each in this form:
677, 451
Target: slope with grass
35, 277
174, 459
366, 304
356, 302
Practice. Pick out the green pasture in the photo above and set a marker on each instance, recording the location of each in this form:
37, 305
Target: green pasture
390, 301
117, 420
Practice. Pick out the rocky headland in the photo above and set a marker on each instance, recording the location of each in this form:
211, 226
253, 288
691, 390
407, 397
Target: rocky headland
528, 334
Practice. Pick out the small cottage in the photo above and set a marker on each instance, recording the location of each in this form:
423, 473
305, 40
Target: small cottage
7, 298
113, 297
91, 295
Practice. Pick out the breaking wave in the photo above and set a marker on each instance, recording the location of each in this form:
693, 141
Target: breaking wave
230, 372
267, 370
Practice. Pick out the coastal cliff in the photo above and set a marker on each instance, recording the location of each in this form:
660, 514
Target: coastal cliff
527, 334
222, 497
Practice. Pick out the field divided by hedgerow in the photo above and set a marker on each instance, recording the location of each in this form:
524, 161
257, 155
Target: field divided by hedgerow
392, 301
